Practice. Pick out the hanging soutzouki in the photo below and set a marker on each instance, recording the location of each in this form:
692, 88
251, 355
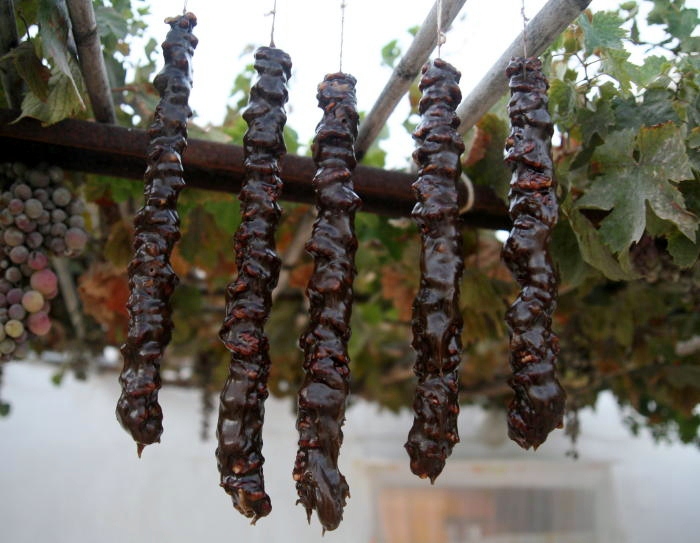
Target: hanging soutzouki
249, 296
437, 320
539, 402
321, 402
152, 279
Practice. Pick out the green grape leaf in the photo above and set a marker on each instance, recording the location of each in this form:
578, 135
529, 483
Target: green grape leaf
241, 87
682, 23
691, 194
30, 68
380, 232
116, 73
118, 247
371, 313
116, 189
694, 138
683, 251
202, 238
390, 52
375, 156
563, 102
638, 171
235, 127
634, 32
61, 103
603, 31
225, 208
55, 26
562, 97
691, 44
567, 257
656, 108
484, 163
26, 10
615, 64
187, 302
483, 305
597, 121
291, 140
653, 66
187, 299
110, 22
593, 250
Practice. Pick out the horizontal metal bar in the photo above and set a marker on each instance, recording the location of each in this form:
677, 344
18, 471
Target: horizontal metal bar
120, 152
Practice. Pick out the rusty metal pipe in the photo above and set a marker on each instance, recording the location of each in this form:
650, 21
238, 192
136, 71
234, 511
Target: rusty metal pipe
120, 152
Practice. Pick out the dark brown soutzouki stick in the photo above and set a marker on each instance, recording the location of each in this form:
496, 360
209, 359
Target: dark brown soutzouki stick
437, 321
152, 279
249, 295
538, 405
323, 394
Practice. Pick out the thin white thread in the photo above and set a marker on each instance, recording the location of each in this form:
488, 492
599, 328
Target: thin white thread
342, 34
525, 21
470, 194
440, 35
184, 7
274, 18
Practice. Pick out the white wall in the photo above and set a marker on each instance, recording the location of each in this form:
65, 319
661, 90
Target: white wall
69, 473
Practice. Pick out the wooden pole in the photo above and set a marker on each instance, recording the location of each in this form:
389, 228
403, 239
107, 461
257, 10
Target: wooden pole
541, 31
120, 152
92, 64
9, 39
404, 74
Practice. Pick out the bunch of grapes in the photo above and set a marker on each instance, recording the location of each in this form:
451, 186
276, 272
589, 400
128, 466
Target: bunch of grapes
39, 218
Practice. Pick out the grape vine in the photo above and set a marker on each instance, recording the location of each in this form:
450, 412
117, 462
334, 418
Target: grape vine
627, 162
39, 219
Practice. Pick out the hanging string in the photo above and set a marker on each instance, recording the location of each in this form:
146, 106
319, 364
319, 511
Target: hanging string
464, 179
184, 8
274, 17
440, 36
342, 33
525, 21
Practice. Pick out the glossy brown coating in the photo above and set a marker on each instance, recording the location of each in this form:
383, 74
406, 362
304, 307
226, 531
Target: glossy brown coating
437, 320
538, 405
157, 229
249, 296
322, 397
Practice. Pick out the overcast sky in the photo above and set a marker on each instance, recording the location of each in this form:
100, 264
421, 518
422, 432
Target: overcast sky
309, 30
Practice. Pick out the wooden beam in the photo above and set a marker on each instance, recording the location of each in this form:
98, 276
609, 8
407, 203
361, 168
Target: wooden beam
92, 65
405, 73
9, 39
119, 152
541, 31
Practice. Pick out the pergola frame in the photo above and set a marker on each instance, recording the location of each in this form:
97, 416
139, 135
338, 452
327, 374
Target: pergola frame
102, 147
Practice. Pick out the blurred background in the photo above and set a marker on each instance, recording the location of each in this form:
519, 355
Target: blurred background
70, 474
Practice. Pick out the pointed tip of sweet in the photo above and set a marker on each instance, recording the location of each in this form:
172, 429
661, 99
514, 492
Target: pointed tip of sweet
527, 442
139, 448
308, 510
427, 467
